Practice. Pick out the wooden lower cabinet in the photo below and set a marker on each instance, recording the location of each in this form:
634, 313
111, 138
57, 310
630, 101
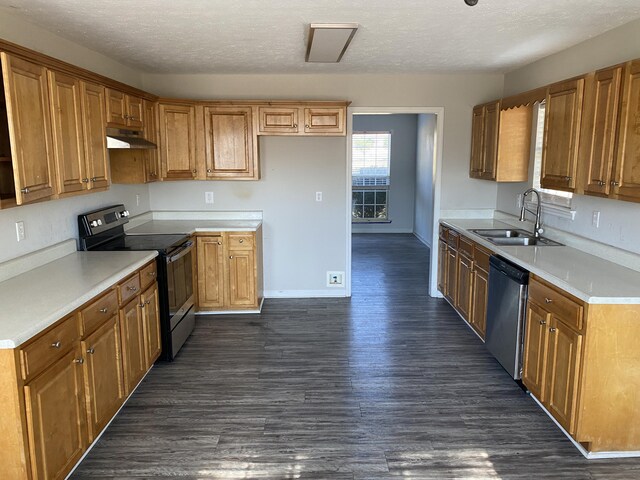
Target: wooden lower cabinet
61, 388
56, 418
464, 291
442, 266
535, 349
229, 271
480, 297
450, 292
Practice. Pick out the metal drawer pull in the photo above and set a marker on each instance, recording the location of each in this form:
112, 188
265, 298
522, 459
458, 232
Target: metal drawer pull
219, 243
567, 178
147, 302
543, 322
230, 256
133, 289
141, 305
57, 344
614, 183
241, 240
601, 183
91, 350
552, 329
79, 360
103, 310
85, 180
548, 300
152, 274
25, 190
209, 170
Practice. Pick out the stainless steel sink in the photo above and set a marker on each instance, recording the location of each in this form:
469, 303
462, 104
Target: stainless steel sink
500, 232
513, 237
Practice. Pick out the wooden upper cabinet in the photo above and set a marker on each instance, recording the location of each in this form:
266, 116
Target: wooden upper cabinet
27, 101
124, 110
323, 120
94, 118
278, 120
500, 142
561, 134
68, 137
626, 176
178, 141
230, 142
152, 167
599, 129
477, 138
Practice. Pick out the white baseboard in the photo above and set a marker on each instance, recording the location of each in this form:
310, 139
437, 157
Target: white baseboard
336, 292
422, 239
379, 229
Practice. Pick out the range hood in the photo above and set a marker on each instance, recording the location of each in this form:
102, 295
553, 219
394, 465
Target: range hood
117, 138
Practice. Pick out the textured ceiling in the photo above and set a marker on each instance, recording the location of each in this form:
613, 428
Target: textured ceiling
268, 36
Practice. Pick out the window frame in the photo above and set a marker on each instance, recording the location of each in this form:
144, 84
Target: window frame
371, 184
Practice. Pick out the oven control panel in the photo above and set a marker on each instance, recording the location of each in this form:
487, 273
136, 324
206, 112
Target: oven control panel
98, 221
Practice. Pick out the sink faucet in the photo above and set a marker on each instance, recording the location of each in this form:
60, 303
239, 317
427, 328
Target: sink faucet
537, 230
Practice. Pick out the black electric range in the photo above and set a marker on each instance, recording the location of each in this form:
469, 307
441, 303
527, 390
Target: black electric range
103, 230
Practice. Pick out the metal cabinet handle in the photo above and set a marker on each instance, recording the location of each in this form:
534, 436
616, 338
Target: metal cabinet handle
141, 304
85, 180
306, 126
103, 310
133, 289
230, 256
147, 302
94, 179
25, 190
57, 344
552, 329
543, 322
614, 183
219, 243
152, 274
548, 300
209, 170
567, 179
194, 170
601, 183
295, 125
91, 350
79, 360
241, 240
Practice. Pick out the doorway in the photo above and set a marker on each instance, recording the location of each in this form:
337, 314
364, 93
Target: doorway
424, 190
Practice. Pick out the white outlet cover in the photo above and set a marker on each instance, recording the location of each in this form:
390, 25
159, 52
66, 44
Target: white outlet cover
208, 197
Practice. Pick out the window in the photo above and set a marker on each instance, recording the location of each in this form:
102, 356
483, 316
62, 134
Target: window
370, 175
552, 197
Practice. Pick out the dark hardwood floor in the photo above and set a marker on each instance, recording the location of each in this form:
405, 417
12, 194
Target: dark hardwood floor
387, 384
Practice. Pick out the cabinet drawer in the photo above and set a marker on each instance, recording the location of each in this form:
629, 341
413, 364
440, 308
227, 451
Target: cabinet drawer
148, 275
240, 241
566, 309
98, 311
452, 238
466, 246
129, 288
47, 348
443, 232
481, 257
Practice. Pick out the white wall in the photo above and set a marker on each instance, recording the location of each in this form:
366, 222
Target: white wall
619, 221
425, 167
51, 222
303, 239
403, 170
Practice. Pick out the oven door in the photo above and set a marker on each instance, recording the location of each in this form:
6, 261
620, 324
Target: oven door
180, 282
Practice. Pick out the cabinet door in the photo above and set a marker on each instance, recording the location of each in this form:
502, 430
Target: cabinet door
132, 338
95, 137
477, 138
152, 167
241, 266
479, 301
103, 375
490, 141
627, 172
561, 131
56, 418
27, 100
178, 139
465, 286
68, 138
327, 121
134, 114
230, 143
151, 323
535, 350
442, 266
599, 129
210, 255
116, 108
565, 350
278, 120
452, 274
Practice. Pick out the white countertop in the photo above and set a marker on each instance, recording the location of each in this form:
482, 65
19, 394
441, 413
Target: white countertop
34, 300
191, 226
590, 278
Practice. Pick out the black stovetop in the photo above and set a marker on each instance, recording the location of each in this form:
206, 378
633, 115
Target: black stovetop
161, 243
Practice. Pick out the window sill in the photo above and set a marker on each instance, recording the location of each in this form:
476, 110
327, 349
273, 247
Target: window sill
554, 210
368, 222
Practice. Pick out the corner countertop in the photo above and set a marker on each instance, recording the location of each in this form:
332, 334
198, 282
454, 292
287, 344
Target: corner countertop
36, 299
189, 227
590, 278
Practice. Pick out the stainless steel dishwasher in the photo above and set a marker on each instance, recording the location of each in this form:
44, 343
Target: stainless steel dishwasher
506, 311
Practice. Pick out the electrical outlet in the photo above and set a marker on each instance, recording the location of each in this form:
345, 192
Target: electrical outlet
208, 197
595, 219
335, 279
318, 196
20, 230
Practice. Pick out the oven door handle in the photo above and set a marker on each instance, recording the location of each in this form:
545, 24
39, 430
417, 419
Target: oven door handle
186, 248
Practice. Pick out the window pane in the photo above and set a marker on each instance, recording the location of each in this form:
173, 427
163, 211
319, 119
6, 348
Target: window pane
357, 197
381, 212
371, 154
381, 198
357, 211
369, 198
369, 212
